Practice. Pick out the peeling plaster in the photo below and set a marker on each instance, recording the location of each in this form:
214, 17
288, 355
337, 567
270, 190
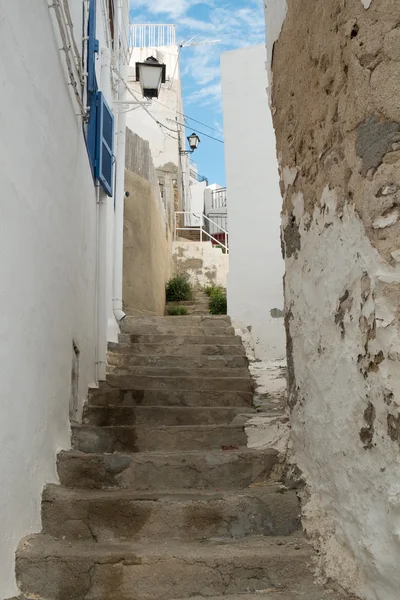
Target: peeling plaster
366, 3
344, 410
289, 175
275, 13
388, 221
298, 206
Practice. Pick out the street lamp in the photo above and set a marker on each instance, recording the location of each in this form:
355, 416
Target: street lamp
151, 74
194, 142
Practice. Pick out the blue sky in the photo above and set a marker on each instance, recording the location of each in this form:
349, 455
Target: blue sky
236, 23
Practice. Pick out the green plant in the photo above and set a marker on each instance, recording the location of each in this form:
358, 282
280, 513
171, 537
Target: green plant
179, 289
212, 289
175, 311
218, 303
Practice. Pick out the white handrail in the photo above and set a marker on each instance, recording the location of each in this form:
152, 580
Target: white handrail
201, 230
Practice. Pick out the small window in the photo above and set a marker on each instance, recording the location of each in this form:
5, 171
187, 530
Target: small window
105, 144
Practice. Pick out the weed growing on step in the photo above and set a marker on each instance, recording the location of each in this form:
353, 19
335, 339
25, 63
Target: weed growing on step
179, 289
208, 290
177, 311
218, 303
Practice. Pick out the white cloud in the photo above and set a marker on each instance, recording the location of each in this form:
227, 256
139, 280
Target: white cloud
171, 8
206, 95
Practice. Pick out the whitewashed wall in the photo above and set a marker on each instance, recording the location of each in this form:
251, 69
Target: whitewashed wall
48, 249
255, 289
195, 202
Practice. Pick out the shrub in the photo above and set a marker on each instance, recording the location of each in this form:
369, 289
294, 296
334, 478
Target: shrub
218, 303
175, 311
213, 289
179, 289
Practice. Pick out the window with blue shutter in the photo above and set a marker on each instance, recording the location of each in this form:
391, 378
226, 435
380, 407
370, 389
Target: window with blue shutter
105, 144
100, 127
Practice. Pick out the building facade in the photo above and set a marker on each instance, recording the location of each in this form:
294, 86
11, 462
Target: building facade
59, 239
253, 202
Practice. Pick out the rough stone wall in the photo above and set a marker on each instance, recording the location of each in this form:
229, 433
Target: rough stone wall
336, 108
204, 264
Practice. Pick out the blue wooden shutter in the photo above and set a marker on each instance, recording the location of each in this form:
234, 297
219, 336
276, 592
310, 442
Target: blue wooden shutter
91, 91
105, 145
93, 48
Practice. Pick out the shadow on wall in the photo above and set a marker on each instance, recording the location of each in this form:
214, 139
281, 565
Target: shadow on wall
147, 237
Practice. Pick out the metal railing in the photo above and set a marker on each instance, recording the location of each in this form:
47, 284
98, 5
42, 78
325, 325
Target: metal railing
204, 235
219, 219
197, 176
152, 36
219, 198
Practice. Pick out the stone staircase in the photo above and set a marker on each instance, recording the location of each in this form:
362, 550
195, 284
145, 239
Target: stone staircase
197, 306
160, 498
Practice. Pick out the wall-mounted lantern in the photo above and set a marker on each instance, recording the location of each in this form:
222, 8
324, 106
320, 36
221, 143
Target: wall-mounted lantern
151, 74
194, 142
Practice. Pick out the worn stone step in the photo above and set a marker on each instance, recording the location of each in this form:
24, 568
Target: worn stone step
178, 362
205, 331
217, 470
303, 589
152, 571
178, 338
141, 382
178, 321
121, 397
124, 368
161, 415
88, 438
186, 350
111, 515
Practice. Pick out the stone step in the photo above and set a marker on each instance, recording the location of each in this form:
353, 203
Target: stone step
111, 515
141, 382
177, 339
126, 369
172, 329
303, 589
161, 415
180, 321
87, 438
120, 397
152, 571
187, 350
218, 470
178, 362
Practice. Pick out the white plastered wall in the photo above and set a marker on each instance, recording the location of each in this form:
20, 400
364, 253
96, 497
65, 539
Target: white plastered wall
48, 244
255, 288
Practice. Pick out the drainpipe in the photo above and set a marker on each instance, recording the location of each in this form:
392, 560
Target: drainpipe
119, 194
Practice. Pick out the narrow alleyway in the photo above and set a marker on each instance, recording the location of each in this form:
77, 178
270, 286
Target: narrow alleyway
160, 498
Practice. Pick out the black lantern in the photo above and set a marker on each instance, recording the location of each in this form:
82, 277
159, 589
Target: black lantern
151, 74
194, 141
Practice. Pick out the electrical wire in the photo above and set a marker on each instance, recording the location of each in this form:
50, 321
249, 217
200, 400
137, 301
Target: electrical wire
176, 66
206, 134
68, 52
156, 120
190, 118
